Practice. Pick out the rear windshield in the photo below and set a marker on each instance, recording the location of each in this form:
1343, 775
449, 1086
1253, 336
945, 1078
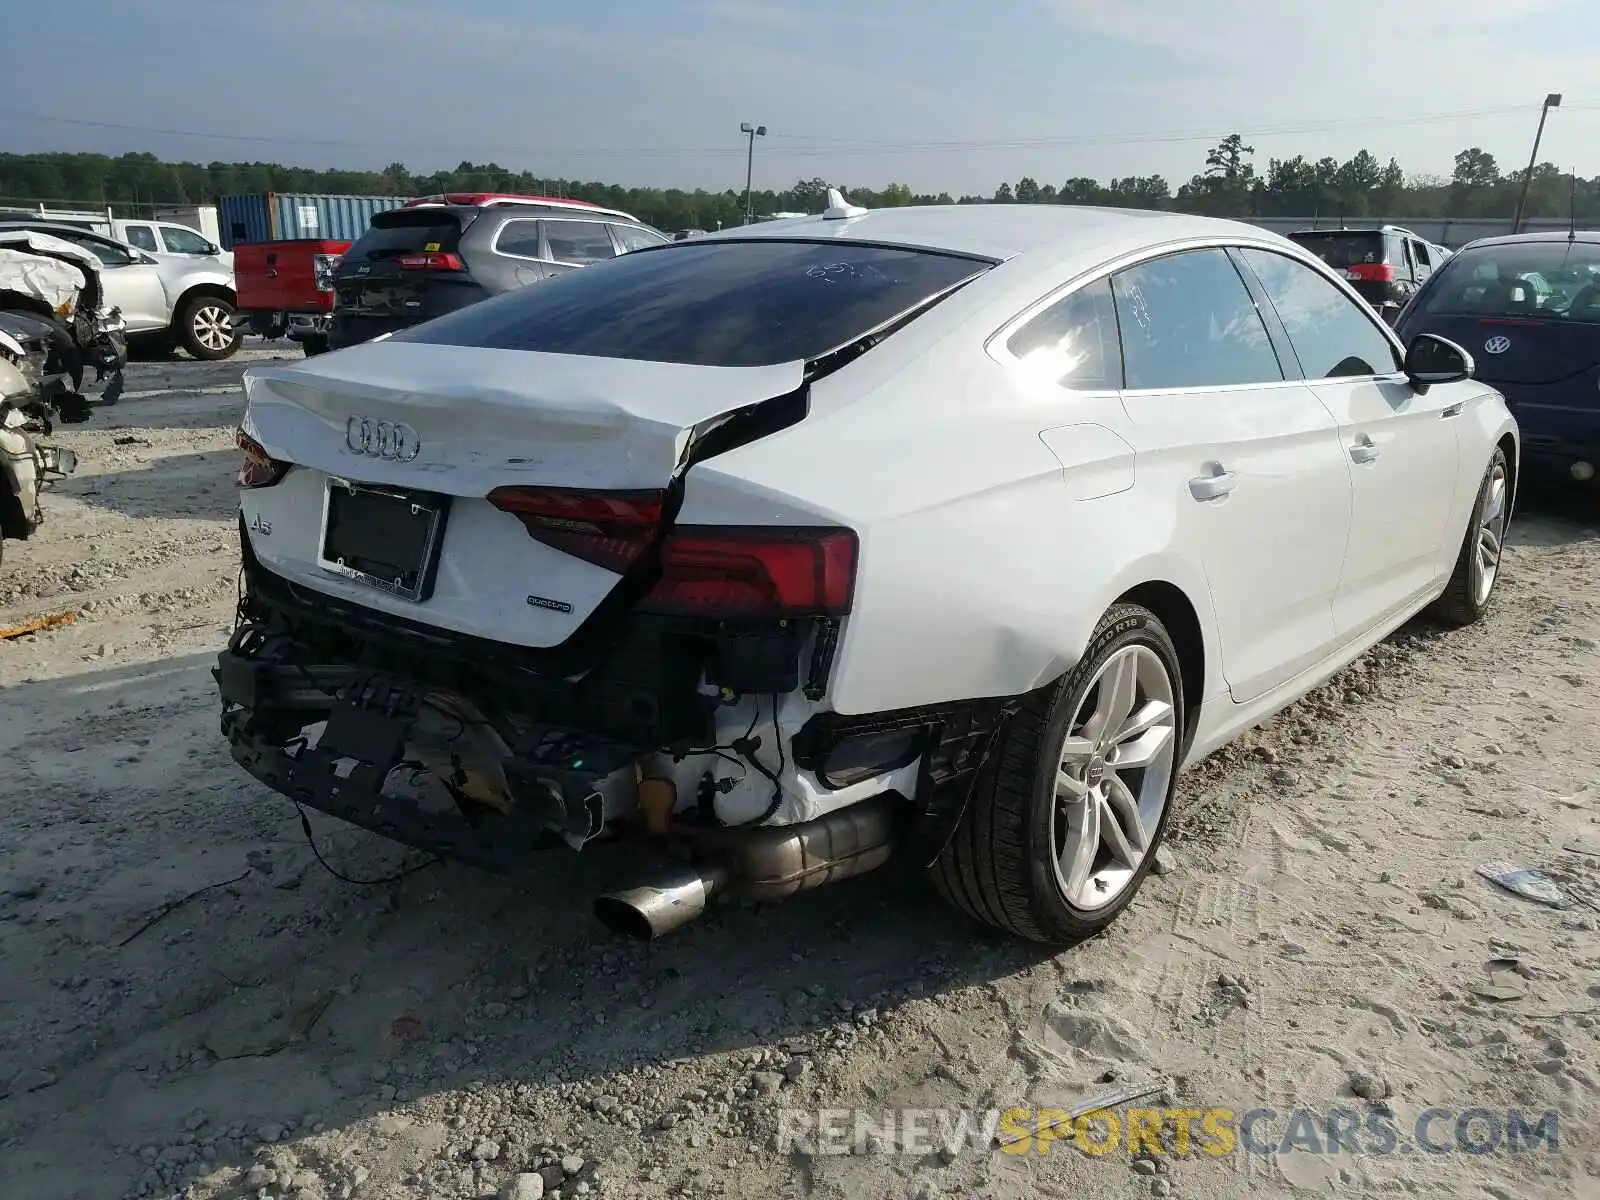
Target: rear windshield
406, 231
1558, 280
1343, 248
726, 304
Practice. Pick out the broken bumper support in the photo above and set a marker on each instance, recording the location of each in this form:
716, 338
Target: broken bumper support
560, 785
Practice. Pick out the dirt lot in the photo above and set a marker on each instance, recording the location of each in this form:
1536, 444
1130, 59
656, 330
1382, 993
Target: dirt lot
283, 1030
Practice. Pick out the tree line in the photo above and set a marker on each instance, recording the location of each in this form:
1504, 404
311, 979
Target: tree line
1230, 185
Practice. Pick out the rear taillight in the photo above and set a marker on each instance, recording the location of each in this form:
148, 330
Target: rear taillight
430, 262
1372, 272
323, 267
711, 571
259, 469
706, 570
609, 529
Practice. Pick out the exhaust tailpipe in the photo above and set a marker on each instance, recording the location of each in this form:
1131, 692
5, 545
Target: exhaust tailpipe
654, 909
763, 864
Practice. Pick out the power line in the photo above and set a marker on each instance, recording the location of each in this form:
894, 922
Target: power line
821, 146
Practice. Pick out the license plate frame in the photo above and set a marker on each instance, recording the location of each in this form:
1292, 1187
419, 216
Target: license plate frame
411, 580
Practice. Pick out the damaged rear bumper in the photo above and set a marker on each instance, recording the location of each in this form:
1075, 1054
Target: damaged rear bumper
494, 804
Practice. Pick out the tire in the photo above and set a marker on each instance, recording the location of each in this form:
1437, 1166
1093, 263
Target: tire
1468, 594
204, 327
1001, 865
314, 345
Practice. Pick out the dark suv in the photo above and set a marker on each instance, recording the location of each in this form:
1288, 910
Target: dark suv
441, 253
1386, 265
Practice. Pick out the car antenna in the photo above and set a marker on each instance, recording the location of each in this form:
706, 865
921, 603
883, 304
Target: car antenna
840, 209
1572, 209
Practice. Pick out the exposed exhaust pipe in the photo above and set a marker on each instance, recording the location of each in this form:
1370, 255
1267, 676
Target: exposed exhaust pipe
653, 909
767, 863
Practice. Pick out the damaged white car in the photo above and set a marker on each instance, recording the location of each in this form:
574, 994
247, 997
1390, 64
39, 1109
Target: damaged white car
52, 326
945, 532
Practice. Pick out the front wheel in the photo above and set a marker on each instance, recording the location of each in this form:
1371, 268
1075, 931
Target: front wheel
314, 344
1063, 824
204, 327
1471, 587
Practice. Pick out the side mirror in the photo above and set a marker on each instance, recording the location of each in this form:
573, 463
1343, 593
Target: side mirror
1431, 359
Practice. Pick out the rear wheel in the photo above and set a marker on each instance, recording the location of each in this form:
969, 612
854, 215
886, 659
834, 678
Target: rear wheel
1063, 825
204, 327
1471, 587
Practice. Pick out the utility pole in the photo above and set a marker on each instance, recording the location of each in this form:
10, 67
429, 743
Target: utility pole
1553, 100
752, 132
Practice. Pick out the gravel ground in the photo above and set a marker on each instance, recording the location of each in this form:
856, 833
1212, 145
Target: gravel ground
194, 1006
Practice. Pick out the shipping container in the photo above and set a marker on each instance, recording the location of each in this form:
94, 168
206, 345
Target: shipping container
290, 216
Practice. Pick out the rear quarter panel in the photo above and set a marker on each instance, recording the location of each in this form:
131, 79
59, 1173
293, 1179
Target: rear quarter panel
987, 556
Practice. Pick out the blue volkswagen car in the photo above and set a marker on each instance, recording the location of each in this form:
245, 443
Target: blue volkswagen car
1527, 307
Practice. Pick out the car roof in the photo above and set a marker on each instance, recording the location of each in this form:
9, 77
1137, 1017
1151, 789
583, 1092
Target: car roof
999, 231
487, 202
1587, 236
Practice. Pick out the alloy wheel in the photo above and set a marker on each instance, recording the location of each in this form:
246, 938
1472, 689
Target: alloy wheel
1491, 536
1111, 785
213, 327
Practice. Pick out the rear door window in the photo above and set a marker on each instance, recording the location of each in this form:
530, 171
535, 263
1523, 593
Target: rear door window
141, 236
1400, 257
109, 253
722, 303
578, 242
406, 231
1187, 321
519, 238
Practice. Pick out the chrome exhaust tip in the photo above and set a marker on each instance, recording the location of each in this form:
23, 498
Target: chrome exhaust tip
656, 908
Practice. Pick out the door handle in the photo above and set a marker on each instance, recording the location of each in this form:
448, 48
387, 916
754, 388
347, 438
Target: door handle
1364, 451
1453, 411
1212, 487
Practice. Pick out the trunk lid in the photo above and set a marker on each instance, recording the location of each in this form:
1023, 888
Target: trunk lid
486, 418
476, 420
1517, 350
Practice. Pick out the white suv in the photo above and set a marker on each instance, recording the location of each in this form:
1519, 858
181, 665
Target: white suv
180, 299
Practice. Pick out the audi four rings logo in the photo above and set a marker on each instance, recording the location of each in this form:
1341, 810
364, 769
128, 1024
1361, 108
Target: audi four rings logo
1498, 344
392, 440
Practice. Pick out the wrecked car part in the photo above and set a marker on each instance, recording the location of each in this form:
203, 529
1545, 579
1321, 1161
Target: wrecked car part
765, 864
50, 282
955, 741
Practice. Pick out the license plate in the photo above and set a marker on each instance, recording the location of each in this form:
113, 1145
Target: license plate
55, 461
387, 538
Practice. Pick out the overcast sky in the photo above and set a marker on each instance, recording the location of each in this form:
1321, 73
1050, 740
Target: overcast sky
940, 94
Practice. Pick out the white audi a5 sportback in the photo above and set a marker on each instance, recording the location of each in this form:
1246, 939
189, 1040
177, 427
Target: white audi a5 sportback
950, 532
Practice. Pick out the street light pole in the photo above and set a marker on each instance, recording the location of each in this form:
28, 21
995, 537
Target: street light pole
1553, 100
752, 132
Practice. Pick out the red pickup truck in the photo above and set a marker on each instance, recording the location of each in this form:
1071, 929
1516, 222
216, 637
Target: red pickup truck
287, 288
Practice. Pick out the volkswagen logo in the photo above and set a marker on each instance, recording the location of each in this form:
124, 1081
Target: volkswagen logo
1498, 344
390, 440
